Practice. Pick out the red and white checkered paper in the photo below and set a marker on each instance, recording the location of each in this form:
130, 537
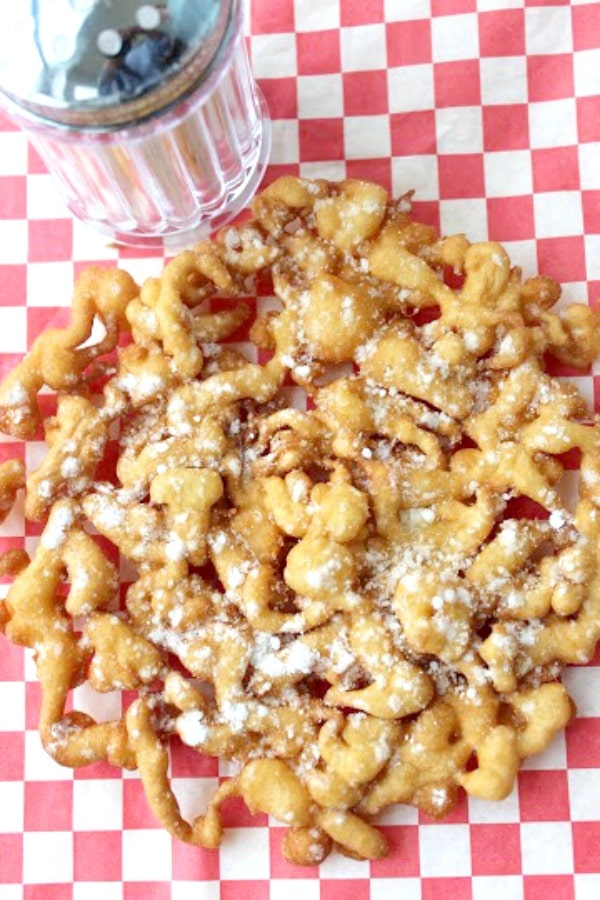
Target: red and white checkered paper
490, 109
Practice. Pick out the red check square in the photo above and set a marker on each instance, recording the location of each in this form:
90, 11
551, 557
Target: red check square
555, 169
544, 796
35, 163
413, 133
511, 218
428, 212
14, 285
13, 197
451, 7
271, 18
188, 763
365, 93
6, 123
496, 849
318, 52
588, 119
408, 43
502, 33
342, 887
446, 888
357, 12
541, 887
33, 704
192, 863
48, 806
280, 867
505, 127
281, 96
11, 854
586, 840
586, 26
50, 240
12, 660
403, 860
273, 172
12, 760
42, 317
136, 811
457, 83
550, 77
157, 890
379, 170
235, 814
97, 856
591, 211
47, 892
251, 890
562, 258
321, 139
461, 176
583, 735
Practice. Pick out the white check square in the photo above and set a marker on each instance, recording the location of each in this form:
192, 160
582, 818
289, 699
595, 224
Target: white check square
43, 199
548, 30
96, 890
587, 887
503, 80
244, 855
320, 96
195, 890
14, 242
455, 37
586, 70
584, 686
97, 805
410, 88
39, 765
311, 16
592, 255
367, 137
589, 166
508, 173
584, 794
558, 213
459, 130
505, 811
445, 850
297, 889
274, 55
147, 855
285, 146
418, 173
13, 153
363, 48
12, 805
12, 704
47, 857
401, 11
387, 888
495, 887
537, 838
466, 216
553, 123
50, 283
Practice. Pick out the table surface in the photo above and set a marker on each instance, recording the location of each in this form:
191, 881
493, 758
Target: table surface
490, 110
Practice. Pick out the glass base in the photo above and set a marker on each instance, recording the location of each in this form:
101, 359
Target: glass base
233, 203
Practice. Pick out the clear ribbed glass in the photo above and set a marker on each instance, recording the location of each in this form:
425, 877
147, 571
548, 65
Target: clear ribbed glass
179, 176
176, 170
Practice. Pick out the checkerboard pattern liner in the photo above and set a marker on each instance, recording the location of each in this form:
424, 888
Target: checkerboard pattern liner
490, 110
